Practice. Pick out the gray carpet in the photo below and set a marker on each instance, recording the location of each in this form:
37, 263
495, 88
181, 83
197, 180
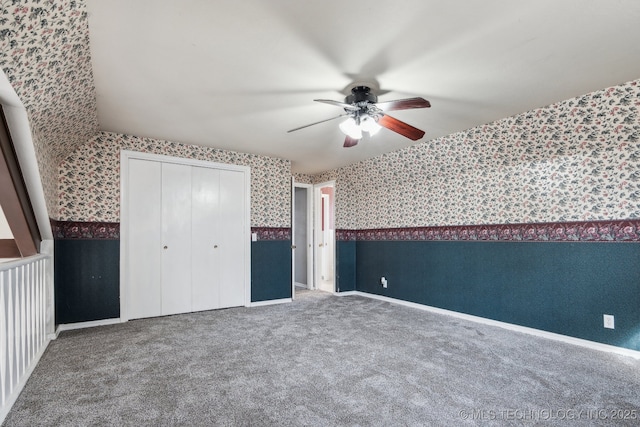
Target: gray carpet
322, 361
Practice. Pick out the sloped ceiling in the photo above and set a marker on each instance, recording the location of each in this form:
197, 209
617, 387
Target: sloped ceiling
238, 74
44, 52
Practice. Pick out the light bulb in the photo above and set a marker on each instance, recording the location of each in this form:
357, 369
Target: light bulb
350, 128
368, 124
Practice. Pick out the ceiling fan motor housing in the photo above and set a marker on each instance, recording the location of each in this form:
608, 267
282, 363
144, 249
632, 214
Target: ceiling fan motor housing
361, 94
364, 114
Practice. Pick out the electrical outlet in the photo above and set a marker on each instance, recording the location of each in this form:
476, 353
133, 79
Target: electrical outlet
609, 321
383, 281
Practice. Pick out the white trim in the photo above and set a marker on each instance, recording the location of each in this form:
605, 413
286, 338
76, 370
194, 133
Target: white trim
84, 325
23, 381
310, 236
125, 155
20, 129
293, 237
23, 261
348, 293
317, 229
510, 326
182, 161
271, 302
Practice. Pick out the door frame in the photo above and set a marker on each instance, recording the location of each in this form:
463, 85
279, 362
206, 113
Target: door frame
310, 238
317, 208
125, 156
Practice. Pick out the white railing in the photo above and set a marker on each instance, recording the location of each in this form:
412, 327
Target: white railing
24, 323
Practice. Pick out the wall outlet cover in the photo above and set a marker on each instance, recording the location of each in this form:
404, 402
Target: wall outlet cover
609, 321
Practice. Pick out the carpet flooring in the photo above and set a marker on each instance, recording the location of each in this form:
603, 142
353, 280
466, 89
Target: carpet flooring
323, 361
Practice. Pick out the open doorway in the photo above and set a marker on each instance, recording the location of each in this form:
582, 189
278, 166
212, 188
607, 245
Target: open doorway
324, 234
302, 236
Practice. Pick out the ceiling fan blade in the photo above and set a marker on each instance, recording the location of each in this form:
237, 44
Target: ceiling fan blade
403, 104
316, 123
402, 128
339, 104
350, 142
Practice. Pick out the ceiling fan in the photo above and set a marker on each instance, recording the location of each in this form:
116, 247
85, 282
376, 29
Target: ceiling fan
366, 114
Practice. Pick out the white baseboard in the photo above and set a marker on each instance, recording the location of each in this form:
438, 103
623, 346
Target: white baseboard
347, 293
83, 325
271, 302
11, 399
510, 326
301, 285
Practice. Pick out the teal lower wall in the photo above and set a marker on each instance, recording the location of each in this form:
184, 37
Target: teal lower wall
87, 276
270, 270
345, 266
559, 287
87, 280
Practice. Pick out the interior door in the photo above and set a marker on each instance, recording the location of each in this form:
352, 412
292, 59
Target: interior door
300, 237
324, 236
176, 239
144, 239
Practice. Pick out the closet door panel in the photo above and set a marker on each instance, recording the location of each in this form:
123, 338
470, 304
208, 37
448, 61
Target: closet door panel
204, 238
144, 244
233, 231
176, 239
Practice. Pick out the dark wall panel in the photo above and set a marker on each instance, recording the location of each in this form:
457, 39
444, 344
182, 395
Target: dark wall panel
87, 280
87, 277
345, 266
270, 270
553, 286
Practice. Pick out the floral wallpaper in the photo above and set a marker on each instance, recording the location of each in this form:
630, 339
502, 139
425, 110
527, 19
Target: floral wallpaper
303, 178
89, 179
44, 51
576, 160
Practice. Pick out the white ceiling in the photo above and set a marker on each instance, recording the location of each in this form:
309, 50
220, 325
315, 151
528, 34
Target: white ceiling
238, 74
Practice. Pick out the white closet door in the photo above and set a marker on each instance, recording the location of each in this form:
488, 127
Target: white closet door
144, 247
231, 238
204, 238
176, 239
185, 247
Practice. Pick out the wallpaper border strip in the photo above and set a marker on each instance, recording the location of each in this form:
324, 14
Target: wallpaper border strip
111, 231
272, 233
85, 230
588, 231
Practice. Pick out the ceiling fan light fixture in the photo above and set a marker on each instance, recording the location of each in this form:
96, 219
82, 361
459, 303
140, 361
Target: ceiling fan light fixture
350, 127
365, 114
369, 125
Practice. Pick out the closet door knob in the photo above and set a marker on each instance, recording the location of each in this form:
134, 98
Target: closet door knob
215, 246
166, 247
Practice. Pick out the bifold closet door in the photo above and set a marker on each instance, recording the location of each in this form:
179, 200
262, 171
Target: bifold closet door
205, 221
176, 239
186, 248
145, 241
217, 238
